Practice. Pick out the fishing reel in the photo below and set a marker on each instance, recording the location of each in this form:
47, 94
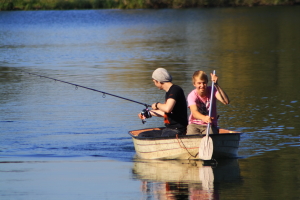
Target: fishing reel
146, 113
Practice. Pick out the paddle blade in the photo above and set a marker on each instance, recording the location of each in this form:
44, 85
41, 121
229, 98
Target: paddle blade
206, 148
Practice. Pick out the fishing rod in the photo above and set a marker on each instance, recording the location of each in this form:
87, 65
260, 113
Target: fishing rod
145, 112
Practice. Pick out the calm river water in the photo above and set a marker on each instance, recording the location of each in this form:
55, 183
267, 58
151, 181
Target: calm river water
62, 142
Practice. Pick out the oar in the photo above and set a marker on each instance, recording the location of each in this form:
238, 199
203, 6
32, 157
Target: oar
206, 145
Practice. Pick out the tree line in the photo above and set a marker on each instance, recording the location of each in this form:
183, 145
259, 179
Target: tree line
133, 4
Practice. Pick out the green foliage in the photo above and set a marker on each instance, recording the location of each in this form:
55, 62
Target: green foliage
96, 4
131, 4
6, 5
63, 5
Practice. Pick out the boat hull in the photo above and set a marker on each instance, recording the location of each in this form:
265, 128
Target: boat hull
225, 145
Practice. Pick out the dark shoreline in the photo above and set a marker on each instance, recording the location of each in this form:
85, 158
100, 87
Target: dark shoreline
13, 5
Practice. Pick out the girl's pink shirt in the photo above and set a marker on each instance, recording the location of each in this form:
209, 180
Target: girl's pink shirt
193, 99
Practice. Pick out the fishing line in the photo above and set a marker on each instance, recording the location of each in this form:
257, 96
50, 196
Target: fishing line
76, 87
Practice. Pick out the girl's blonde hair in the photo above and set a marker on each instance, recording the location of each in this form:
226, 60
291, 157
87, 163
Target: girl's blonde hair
201, 75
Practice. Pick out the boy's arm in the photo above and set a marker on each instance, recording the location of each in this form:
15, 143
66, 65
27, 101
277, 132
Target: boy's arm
197, 115
221, 95
165, 107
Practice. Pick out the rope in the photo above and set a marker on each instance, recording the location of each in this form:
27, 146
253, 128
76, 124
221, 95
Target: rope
184, 147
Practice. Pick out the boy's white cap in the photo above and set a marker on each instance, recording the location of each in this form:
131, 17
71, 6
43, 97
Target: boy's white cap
161, 75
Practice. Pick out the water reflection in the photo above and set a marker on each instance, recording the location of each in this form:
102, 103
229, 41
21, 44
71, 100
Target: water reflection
184, 179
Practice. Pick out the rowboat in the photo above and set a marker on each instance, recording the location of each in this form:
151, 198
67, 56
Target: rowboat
225, 145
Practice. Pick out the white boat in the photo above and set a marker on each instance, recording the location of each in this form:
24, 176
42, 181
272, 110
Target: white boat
225, 145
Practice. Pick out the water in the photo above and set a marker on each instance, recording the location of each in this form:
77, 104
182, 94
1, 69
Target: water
62, 142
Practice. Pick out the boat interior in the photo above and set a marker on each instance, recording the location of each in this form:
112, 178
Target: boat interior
157, 131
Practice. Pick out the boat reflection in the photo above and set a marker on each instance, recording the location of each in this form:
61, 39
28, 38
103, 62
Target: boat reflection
184, 179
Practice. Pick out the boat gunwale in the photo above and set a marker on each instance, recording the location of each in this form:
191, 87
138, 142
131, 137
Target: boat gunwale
179, 136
